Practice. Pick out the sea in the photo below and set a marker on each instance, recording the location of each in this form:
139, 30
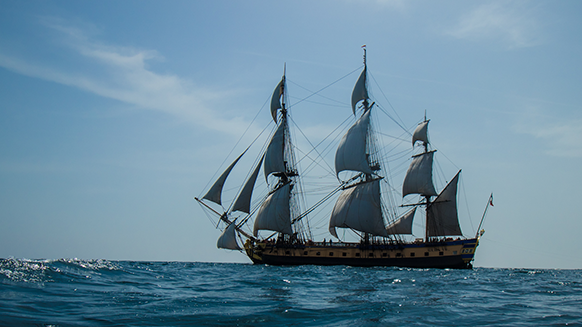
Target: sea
74, 292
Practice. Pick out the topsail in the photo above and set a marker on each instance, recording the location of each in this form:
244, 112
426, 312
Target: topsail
275, 155
351, 153
418, 179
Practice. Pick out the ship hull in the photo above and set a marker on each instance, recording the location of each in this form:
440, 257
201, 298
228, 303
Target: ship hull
447, 254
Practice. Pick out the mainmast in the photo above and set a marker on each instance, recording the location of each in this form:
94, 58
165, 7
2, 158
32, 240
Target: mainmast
359, 205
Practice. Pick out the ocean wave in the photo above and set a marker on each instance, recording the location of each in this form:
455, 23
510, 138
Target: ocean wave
40, 271
75, 292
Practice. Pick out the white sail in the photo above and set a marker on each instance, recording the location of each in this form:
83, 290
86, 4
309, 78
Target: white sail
274, 213
243, 201
227, 239
403, 225
418, 178
421, 133
358, 207
442, 218
276, 99
215, 192
351, 152
274, 156
360, 91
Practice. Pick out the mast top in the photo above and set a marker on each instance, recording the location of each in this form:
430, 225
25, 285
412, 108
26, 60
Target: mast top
364, 47
283, 81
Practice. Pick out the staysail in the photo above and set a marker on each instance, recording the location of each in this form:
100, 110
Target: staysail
403, 225
243, 201
215, 192
227, 239
442, 218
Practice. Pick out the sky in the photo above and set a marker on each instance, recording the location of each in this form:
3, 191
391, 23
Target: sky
114, 115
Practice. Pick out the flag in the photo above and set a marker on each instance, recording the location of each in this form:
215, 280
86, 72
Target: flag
491, 200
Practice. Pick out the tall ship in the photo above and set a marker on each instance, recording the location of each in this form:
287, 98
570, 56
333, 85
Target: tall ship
276, 229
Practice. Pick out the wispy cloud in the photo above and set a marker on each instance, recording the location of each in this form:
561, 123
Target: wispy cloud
560, 137
122, 73
512, 23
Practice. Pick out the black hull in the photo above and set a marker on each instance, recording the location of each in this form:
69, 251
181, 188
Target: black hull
450, 262
453, 254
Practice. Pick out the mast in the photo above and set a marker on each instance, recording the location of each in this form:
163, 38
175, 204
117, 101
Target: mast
418, 179
426, 197
441, 213
277, 210
359, 205
365, 102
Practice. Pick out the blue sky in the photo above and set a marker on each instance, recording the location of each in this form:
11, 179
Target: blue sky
114, 115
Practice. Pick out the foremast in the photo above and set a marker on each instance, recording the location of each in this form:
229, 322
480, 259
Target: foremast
277, 212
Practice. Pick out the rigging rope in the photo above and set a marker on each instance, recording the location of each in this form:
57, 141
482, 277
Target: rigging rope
325, 87
385, 97
237, 142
